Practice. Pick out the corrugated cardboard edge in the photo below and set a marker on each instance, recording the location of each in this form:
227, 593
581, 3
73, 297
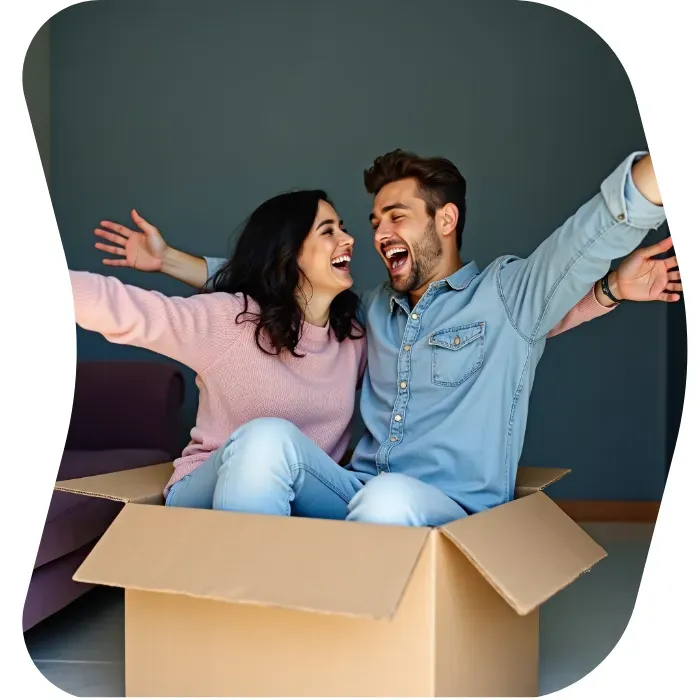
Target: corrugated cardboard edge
139, 485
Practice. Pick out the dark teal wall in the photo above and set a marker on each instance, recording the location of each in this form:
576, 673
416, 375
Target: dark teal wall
193, 112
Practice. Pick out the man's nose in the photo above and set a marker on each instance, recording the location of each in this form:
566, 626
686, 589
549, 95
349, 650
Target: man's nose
382, 233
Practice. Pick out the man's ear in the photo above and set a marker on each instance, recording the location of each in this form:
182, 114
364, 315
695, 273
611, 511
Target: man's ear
446, 219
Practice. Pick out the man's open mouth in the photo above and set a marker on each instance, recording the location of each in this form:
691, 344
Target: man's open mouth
397, 257
341, 263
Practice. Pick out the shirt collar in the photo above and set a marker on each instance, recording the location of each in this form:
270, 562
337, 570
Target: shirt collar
463, 276
457, 281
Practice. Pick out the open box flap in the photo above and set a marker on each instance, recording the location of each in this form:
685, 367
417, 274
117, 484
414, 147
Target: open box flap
141, 485
529, 480
527, 549
298, 563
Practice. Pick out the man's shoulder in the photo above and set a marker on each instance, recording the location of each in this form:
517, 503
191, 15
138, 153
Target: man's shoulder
502, 261
500, 268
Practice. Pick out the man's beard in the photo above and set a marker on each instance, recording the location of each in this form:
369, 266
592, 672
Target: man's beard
424, 257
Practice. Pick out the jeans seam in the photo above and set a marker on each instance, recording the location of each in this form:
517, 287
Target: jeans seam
294, 469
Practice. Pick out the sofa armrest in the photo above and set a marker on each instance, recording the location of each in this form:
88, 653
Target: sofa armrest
126, 405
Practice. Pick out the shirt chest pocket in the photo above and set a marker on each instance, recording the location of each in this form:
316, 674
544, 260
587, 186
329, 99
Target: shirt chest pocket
456, 353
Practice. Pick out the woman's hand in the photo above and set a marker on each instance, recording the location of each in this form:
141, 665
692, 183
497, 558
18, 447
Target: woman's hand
144, 250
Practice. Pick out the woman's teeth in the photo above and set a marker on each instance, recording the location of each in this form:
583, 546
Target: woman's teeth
342, 263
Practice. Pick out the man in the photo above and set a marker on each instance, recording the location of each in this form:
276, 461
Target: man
452, 350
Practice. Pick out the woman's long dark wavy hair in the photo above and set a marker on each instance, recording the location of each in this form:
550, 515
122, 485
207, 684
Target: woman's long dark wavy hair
264, 267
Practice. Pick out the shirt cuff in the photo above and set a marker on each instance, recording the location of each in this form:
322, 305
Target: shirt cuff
213, 265
626, 202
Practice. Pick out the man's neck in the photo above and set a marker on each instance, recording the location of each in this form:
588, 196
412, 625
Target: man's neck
440, 273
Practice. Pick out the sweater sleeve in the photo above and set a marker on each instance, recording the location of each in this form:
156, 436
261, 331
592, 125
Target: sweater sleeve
586, 310
191, 330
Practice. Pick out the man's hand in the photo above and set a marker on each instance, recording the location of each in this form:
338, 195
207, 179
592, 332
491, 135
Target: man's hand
640, 277
145, 250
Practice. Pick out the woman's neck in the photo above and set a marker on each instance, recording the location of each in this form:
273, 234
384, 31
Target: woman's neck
316, 310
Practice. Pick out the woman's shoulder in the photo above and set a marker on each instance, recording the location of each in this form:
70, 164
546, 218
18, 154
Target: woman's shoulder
357, 343
232, 303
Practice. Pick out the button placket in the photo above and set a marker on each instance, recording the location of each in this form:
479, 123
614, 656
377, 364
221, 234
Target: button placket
397, 422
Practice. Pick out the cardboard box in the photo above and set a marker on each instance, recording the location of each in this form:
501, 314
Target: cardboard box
229, 604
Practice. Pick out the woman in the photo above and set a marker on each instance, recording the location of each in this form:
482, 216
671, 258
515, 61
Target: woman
277, 336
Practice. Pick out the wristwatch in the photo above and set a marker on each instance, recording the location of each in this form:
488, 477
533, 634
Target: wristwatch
606, 290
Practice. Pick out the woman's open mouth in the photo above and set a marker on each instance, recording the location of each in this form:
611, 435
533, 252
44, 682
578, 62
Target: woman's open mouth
341, 263
397, 258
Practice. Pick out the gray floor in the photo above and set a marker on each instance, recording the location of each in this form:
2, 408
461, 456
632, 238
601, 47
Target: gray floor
81, 650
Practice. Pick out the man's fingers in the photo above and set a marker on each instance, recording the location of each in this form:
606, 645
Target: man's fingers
123, 230
671, 262
660, 247
115, 263
110, 249
115, 238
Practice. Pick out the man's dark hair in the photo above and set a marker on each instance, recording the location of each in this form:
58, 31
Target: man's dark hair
439, 181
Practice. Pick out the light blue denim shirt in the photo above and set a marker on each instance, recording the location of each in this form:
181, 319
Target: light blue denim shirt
446, 392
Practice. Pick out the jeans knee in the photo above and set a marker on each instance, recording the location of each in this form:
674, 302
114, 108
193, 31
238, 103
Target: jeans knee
259, 431
258, 452
389, 499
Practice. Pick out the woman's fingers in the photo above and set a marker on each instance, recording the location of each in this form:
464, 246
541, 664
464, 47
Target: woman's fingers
110, 249
118, 228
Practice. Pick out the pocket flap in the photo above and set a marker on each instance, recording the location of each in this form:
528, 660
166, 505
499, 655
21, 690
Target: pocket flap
459, 336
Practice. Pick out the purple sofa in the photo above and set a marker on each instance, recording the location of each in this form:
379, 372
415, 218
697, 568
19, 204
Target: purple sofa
125, 415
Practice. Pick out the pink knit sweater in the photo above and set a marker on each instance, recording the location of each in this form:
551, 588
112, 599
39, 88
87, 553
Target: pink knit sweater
237, 382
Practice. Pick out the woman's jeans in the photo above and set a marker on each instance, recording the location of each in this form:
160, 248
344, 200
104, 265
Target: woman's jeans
268, 466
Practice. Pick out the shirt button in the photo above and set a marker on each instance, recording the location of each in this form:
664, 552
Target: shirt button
397, 418
457, 341
620, 217
414, 317
403, 385
406, 347
393, 438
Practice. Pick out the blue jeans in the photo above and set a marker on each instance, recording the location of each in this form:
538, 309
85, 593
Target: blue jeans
268, 466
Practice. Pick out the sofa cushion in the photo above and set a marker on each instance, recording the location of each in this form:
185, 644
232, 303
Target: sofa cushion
76, 464
52, 587
74, 520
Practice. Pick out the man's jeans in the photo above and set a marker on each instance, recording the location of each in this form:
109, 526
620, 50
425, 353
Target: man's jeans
268, 466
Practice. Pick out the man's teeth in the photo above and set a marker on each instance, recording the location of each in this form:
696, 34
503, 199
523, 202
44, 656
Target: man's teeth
393, 251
